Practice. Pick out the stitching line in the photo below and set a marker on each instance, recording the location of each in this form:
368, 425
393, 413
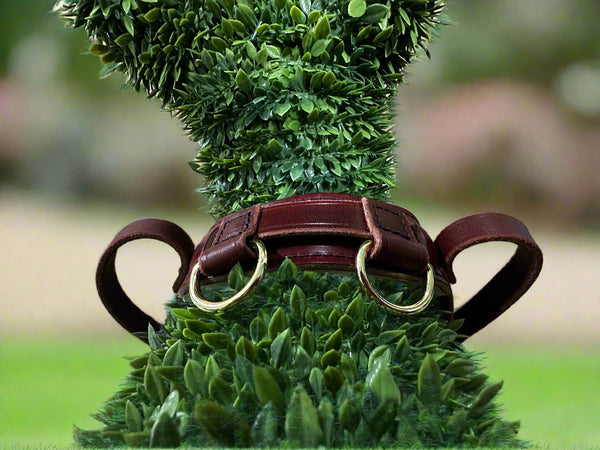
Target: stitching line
400, 216
246, 225
312, 255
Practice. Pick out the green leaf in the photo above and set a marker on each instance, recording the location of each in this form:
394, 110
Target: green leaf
350, 415
216, 340
487, 394
153, 385
153, 15
128, 24
460, 367
333, 379
313, 16
298, 301
323, 28
302, 363
221, 391
296, 172
223, 425
335, 340
302, 426
381, 381
328, 79
212, 369
292, 124
133, 418
218, 43
281, 349
265, 427
171, 404
267, 389
356, 8
315, 380
429, 381
383, 35
380, 353
278, 323
319, 47
346, 324
283, 108
297, 14
174, 355
349, 368
375, 12
330, 358
308, 341
447, 388
307, 105
165, 432
326, 420
194, 377
235, 278
246, 15
258, 329
245, 348
199, 327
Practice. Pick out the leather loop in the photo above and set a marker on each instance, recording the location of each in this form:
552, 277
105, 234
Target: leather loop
114, 298
510, 283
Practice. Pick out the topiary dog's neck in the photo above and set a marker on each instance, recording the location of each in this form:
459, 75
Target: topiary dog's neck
284, 97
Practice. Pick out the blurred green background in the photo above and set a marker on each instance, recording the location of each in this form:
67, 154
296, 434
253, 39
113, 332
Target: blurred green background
505, 116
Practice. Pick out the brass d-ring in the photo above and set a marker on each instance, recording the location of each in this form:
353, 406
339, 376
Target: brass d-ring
205, 305
396, 309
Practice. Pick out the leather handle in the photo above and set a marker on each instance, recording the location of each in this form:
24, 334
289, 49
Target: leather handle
510, 283
114, 298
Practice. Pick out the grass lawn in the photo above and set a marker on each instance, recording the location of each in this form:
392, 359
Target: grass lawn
49, 384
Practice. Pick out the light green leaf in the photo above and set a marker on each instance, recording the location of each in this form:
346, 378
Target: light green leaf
296, 172
281, 349
266, 388
356, 8
193, 376
319, 47
307, 105
382, 383
429, 381
302, 427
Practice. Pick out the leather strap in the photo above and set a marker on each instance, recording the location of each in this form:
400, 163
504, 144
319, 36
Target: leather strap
324, 231
114, 298
510, 283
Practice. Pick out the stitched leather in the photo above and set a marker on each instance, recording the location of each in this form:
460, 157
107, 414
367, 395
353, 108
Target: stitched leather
317, 229
324, 231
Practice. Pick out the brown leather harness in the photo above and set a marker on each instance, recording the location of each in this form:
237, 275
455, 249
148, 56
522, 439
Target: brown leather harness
324, 231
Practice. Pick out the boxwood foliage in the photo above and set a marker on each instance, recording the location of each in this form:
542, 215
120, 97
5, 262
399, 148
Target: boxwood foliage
308, 361
284, 96
287, 97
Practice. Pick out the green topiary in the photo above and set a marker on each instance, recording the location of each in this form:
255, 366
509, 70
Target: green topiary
287, 97
284, 97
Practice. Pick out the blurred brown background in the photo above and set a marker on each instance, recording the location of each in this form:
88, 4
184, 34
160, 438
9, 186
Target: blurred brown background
505, 116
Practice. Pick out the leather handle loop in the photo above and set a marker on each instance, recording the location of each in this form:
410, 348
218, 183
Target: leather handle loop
114, 298
510, 283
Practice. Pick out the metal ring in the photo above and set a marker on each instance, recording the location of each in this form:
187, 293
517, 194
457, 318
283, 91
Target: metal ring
396, 309
205, 305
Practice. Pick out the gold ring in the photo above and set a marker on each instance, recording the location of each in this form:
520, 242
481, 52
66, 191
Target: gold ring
396, 309
205, 305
